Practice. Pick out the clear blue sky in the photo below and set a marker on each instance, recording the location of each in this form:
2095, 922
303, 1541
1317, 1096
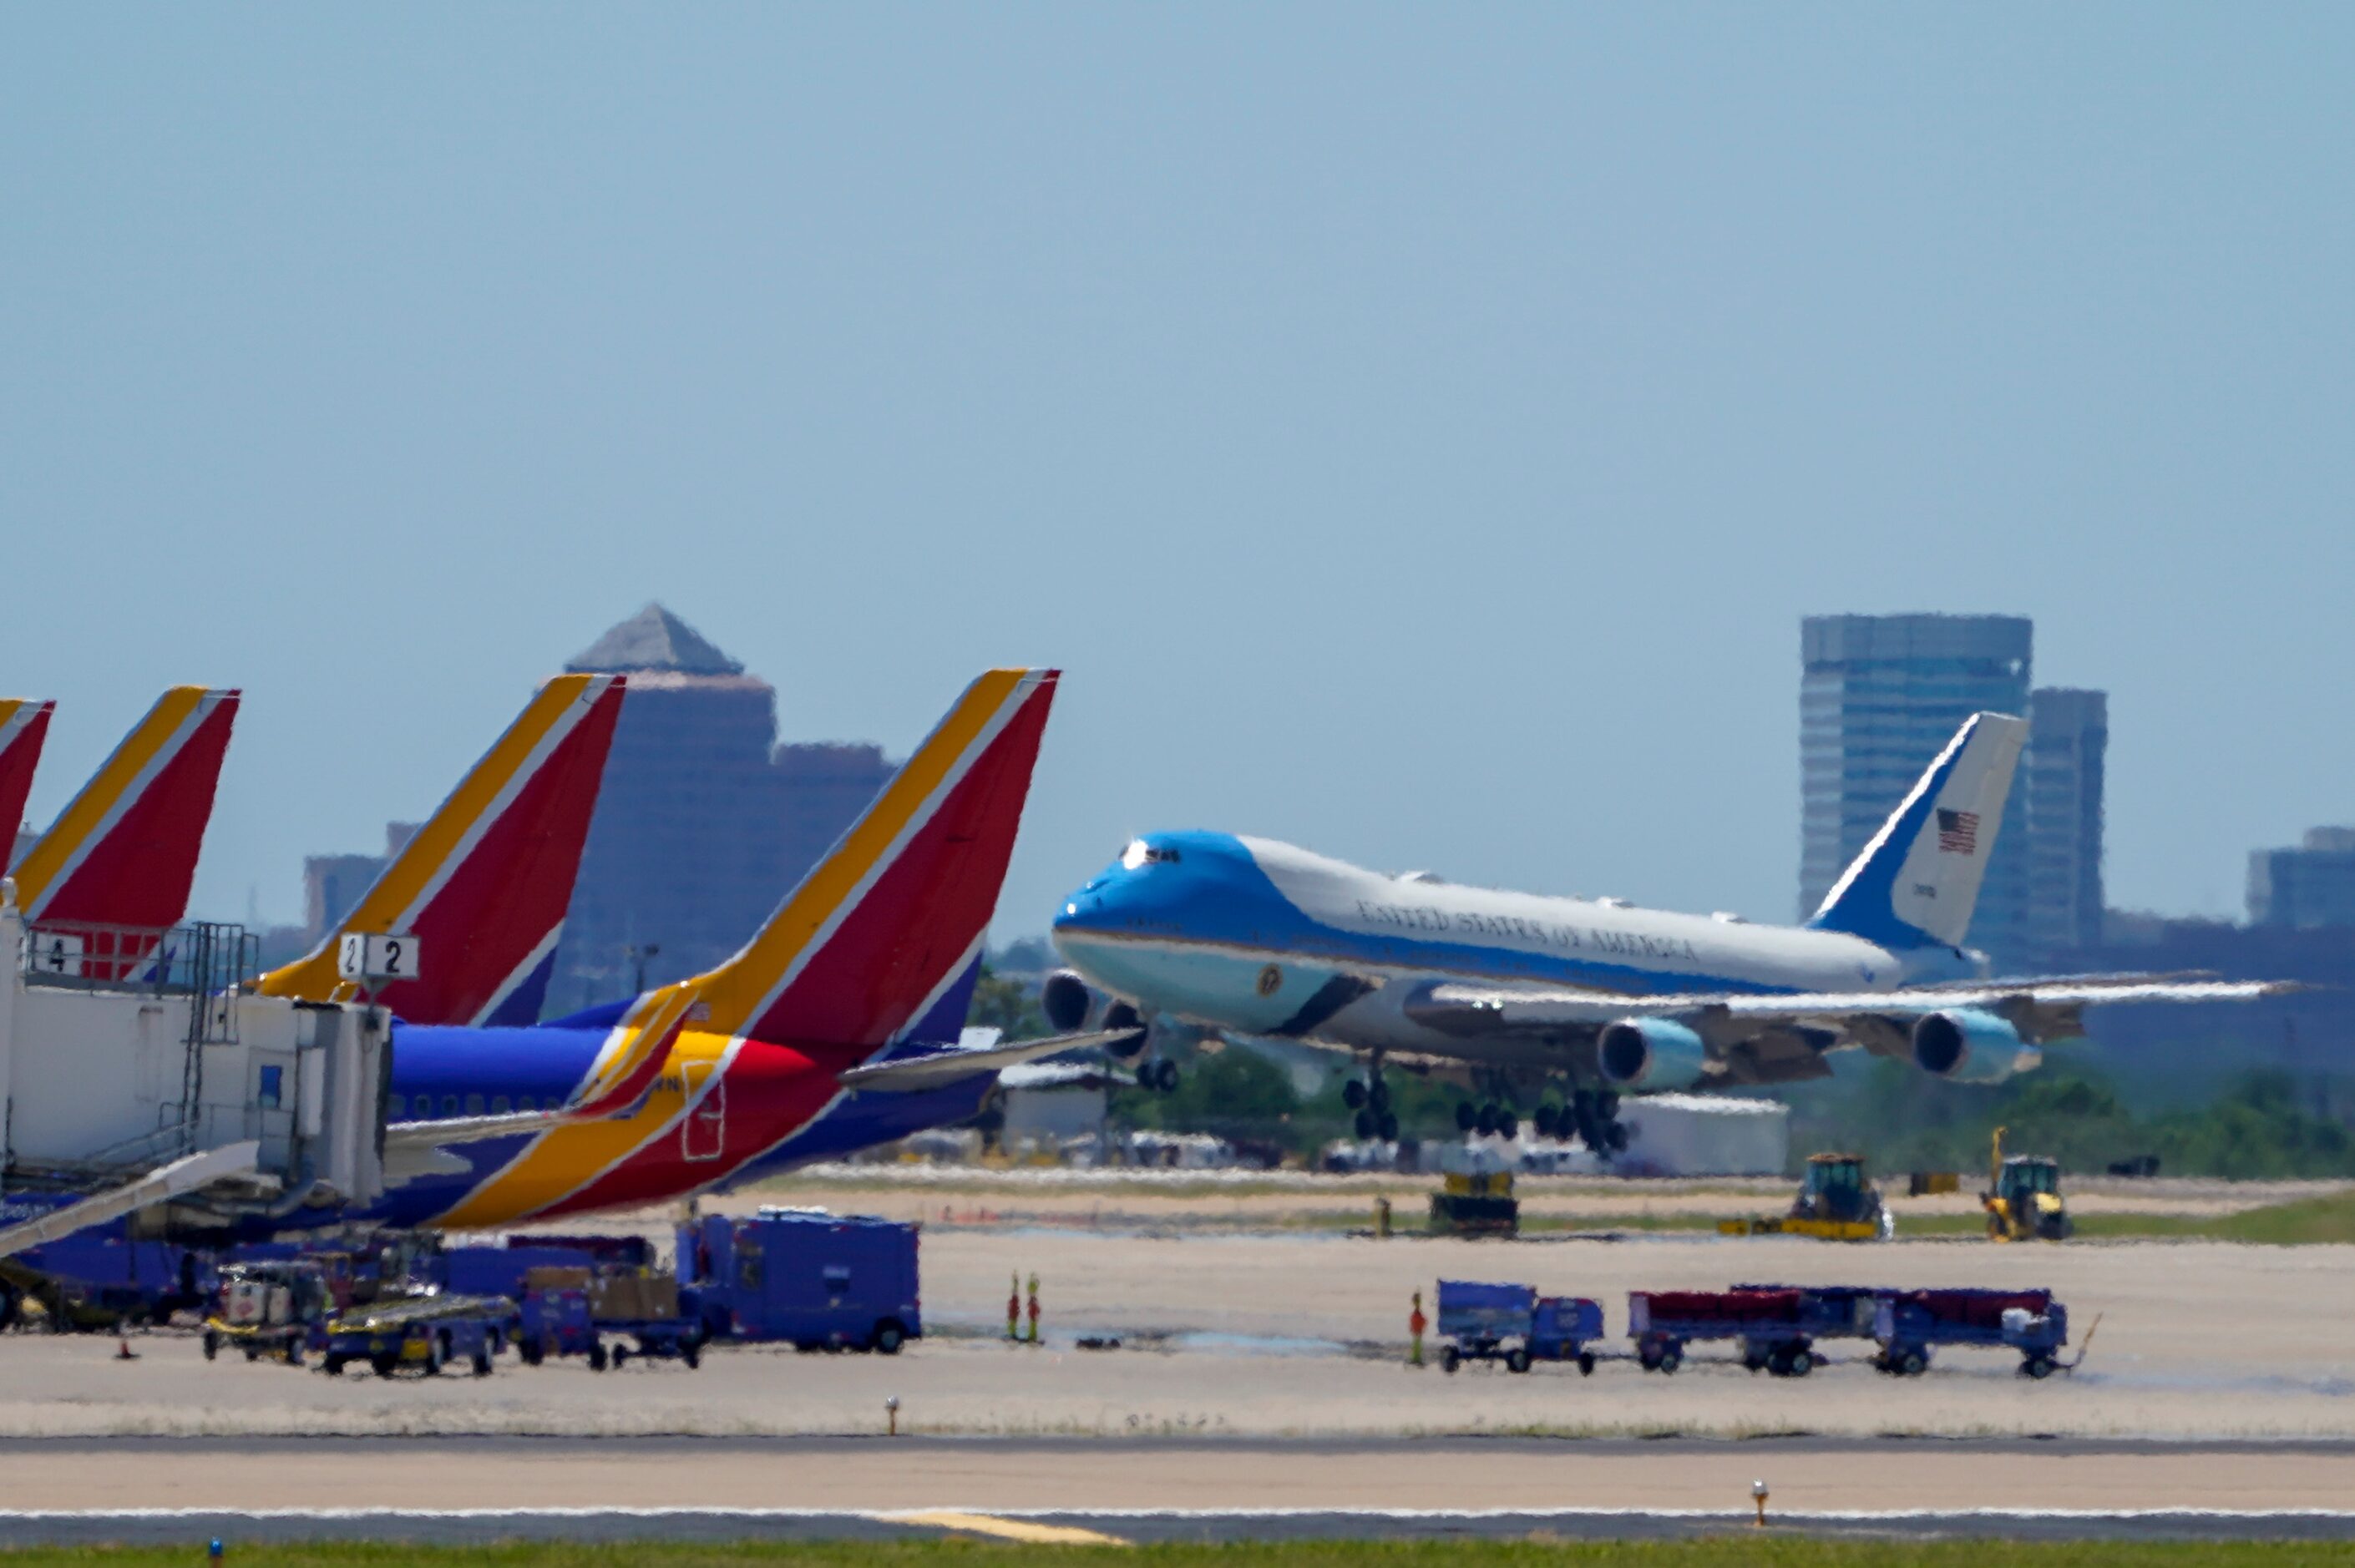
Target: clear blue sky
1417, 430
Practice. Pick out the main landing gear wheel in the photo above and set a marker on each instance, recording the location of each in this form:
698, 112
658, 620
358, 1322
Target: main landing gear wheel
1466, 1117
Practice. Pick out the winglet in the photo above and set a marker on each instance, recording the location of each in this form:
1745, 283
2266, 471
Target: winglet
123, 851
1917, 882
24, 725
485, 884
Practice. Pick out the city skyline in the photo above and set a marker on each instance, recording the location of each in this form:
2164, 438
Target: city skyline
1415, 439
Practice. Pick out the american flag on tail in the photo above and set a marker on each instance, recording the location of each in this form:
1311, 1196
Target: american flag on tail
1958, 833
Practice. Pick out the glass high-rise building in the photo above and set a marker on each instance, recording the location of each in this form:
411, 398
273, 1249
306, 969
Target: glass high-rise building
704, 822
2068, 744
1880, 697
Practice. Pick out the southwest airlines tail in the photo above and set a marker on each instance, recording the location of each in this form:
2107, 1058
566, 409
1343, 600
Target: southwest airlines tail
24, 725
483, 884
1918, 880
886, 928
123, 851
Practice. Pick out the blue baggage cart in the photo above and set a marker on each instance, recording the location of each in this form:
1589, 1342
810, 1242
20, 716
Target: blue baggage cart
1514, 1324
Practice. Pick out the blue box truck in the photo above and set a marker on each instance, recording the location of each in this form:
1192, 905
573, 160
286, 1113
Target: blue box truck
816, 1280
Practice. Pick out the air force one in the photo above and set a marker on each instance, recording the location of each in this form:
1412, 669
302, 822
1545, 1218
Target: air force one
1262, 938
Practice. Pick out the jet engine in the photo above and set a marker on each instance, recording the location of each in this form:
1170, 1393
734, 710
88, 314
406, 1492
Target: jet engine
1967, 1047
1648, 1053
1066, 1000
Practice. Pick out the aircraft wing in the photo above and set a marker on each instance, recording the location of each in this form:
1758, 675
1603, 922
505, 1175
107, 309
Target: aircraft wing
1766, 1037
1472, 1010
963, 1061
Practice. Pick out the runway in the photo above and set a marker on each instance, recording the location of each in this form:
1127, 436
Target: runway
1193, 1489
1141, 1527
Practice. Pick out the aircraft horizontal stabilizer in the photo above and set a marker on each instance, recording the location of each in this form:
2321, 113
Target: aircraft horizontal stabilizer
951, 1062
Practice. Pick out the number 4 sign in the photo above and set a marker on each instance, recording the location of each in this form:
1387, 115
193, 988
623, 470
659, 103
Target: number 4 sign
372, 958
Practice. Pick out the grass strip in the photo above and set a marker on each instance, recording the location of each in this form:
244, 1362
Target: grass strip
1766, 1549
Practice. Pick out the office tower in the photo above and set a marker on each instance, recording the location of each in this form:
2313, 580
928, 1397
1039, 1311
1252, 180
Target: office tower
704, 821
2307, 888
1880, 697
2068, 734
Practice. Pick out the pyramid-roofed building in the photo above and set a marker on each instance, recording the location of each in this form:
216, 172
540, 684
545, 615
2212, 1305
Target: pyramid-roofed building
704, 822
654, 640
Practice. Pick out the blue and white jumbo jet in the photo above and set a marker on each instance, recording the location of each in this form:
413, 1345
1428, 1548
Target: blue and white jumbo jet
1514, 990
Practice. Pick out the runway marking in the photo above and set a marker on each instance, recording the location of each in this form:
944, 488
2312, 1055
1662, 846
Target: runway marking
1023, 1529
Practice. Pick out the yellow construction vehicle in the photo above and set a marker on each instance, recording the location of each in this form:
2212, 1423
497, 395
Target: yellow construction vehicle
1836, 1203
2024, 1202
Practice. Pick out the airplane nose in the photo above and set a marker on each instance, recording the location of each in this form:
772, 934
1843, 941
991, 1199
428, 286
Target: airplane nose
1083, 910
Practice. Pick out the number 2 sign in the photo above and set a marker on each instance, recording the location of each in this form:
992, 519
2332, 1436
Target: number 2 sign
376, 958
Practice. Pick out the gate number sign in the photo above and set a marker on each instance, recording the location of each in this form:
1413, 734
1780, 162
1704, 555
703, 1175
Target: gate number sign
364, 956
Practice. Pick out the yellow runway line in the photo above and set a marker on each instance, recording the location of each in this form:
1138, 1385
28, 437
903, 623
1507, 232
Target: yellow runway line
1012, 1529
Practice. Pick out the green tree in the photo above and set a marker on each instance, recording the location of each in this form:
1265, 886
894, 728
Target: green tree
1005, 1004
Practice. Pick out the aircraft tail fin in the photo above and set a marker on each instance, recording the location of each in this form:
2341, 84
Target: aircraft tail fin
882, 938
888, 924
484, 883
1917, 882
123, 851
24, 725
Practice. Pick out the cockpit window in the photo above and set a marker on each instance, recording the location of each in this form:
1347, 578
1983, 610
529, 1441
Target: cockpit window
1139, 854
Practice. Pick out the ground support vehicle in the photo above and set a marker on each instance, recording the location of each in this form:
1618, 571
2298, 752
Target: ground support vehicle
817, 1280
98, 1280
2023, 1199
425, 1332
507, 1270
1836, 1202
1775, 1329
1912, 1324
564, 1314
273, 1308
1514, 1324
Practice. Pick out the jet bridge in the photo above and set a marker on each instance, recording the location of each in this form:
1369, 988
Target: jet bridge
141, 1074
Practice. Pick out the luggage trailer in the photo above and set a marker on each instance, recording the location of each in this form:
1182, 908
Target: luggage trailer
1775, 1326
1910, 1324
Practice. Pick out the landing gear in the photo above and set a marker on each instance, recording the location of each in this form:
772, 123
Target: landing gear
1371, 1098
1157, 1077
1488, 1120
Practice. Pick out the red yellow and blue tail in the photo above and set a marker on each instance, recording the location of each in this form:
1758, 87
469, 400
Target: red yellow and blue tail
877, 936
485, 884
24, 725
123, 851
